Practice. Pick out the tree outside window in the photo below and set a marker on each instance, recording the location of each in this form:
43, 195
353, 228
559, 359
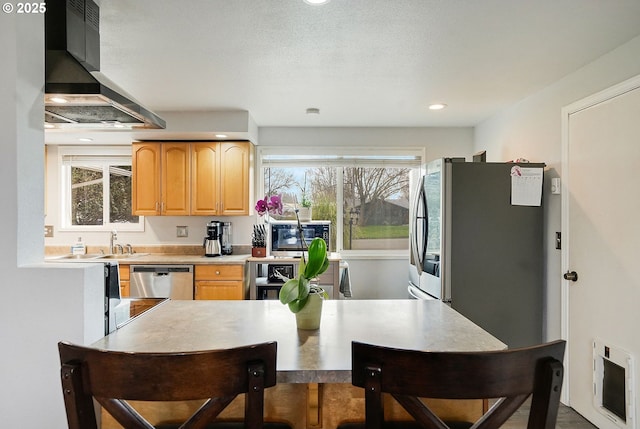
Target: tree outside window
373, 209
97, 193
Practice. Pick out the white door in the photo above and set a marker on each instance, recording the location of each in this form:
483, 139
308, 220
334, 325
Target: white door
601, 238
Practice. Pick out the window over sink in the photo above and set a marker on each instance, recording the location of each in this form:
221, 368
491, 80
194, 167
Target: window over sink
96, 189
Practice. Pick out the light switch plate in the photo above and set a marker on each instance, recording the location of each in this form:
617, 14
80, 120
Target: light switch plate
48, 230
182, 231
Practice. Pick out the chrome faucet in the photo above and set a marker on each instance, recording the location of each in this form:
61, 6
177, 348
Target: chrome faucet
118, 249
129, 249
114, 236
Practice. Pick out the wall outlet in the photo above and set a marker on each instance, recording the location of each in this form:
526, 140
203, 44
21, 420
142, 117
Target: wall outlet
182, 231
48, 230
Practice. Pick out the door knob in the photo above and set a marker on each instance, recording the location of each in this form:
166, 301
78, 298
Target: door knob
571, 275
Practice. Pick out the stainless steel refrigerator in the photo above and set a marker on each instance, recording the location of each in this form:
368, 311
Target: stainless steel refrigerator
475, 250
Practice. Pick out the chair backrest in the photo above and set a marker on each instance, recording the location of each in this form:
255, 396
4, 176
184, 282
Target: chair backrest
512, 375
112, 378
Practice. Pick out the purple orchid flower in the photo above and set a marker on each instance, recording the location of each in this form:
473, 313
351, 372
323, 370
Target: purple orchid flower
275, 204
271, 205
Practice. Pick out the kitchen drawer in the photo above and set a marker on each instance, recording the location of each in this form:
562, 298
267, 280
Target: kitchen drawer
219, 272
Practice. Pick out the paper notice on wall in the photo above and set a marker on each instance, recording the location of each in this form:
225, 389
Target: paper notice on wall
526, 186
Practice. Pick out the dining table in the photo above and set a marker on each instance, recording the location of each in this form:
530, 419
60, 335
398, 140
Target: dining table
313, 367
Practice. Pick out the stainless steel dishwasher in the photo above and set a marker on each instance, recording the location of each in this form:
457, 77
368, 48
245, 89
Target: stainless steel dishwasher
161, 281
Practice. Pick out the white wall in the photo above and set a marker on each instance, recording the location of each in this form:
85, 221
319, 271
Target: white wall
531, 129
38, 306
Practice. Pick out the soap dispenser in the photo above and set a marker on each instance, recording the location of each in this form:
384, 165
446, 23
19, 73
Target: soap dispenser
79, 248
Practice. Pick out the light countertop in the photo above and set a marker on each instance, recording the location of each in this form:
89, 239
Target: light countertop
161, 259
322, 356
154, 258
333, 256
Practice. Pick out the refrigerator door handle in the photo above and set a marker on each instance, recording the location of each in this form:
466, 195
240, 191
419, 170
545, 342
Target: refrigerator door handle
415, 293
419, 247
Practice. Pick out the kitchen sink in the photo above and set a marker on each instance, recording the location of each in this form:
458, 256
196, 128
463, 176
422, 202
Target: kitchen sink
77, 257
122, 256
97, 256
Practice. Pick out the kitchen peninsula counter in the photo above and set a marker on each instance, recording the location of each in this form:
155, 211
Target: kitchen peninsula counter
321, 356
313, 367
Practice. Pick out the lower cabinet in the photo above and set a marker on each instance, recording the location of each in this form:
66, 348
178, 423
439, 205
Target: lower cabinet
123, 272
220, 282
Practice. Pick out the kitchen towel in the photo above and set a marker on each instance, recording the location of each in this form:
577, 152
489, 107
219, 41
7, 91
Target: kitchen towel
345, 280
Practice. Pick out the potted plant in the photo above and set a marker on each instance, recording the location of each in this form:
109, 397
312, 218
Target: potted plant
305, 203
302, 296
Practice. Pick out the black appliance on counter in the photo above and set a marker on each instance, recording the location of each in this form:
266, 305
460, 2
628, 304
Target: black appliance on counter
213, 241
284, 237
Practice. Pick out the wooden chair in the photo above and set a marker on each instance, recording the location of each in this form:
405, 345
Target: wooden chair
511, 375
113, 378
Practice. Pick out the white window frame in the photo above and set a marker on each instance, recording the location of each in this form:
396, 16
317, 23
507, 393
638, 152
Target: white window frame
118, 154
300, 156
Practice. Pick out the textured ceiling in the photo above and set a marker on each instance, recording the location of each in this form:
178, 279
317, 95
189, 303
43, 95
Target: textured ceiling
361, 62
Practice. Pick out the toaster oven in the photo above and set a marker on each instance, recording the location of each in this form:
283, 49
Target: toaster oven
284, 238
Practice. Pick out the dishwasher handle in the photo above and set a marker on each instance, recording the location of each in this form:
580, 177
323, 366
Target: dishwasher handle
162, 269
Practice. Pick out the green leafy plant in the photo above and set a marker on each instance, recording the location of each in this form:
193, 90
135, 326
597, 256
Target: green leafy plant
306, 202
295, 292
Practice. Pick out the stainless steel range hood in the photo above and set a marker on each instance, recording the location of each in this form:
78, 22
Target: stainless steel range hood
77, 95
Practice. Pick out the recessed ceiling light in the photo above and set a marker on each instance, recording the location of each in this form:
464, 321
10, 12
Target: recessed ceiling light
222, 136
313, 111
58, 100
316, 2
437, 106
85, 139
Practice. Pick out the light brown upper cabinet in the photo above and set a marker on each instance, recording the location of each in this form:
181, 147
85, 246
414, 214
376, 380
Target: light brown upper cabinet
203, 178
234, 178
161, 179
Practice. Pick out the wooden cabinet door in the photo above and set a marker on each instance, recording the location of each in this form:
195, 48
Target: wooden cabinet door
123, 273
206, 289
205, 173
176, 178
234, 178
145, 166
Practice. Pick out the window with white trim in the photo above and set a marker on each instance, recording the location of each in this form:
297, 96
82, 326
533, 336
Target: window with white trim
96, 189
365, 193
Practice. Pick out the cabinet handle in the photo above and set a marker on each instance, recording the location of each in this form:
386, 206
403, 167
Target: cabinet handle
217, 273
157, 206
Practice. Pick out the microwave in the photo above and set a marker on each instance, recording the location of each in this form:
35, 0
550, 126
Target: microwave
284, 239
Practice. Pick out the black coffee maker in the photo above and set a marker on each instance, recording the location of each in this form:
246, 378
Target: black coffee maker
213, 241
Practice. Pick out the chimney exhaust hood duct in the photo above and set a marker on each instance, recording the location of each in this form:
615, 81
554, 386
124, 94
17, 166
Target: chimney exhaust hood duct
77, 95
